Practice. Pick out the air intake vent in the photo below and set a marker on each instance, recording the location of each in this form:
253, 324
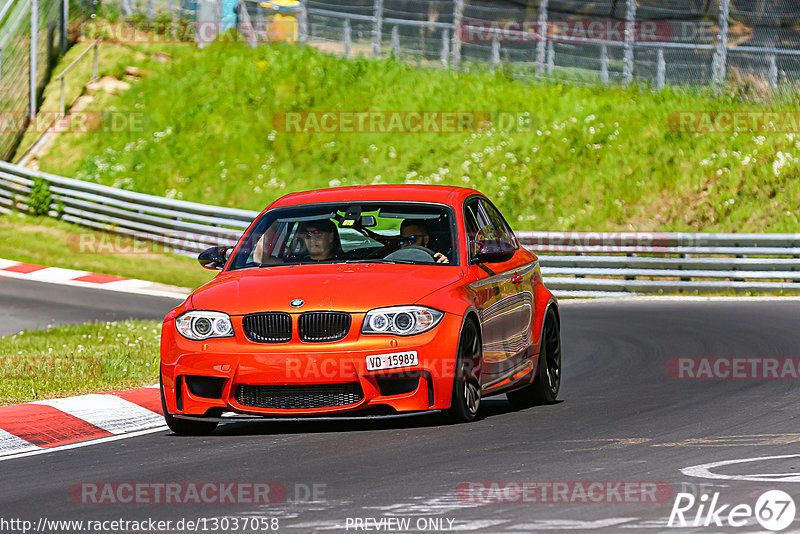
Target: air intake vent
299, 397
318, 327
268, 327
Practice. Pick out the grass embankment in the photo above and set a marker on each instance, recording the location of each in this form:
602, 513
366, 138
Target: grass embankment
576, 159
72, 360
46, 241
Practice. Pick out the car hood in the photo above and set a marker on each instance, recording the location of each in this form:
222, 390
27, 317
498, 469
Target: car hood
346, 287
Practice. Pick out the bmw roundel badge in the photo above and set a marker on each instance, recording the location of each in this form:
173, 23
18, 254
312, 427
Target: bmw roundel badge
296, 303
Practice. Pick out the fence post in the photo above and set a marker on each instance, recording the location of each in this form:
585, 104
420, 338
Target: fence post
719, 70
62, 108
94, 60
773, 71
346, 37
541, 45
395, 41
445, 47
551, 57
64, 24
661, 68
495, 50
604, 64
458, 14
377, 27
302, 29
34, 46
630, 35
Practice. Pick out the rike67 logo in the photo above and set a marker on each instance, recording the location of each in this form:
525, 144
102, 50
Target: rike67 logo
774, 510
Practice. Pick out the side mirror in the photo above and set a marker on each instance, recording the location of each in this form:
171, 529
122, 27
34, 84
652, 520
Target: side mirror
493, 251
214, 258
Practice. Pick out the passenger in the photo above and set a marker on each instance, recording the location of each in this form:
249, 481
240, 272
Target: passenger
414, 232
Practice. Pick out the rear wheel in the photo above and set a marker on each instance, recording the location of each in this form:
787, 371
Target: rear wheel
466, 382
544, 389
184, 427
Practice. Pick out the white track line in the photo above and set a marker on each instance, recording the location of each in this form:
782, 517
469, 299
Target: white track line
110, 286
83, 443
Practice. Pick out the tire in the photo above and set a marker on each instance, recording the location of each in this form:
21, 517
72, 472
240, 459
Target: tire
544, 389
466, 398
184, 427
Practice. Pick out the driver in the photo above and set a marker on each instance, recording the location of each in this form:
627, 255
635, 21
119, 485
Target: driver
321, 239
414, 232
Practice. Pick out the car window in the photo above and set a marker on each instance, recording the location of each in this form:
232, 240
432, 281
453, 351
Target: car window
499, 225
348, 232
484, 223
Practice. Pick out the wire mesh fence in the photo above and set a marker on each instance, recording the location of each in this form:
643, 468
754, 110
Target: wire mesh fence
658, 42
33, 34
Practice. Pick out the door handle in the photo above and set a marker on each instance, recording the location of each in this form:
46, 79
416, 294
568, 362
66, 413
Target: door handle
517, 278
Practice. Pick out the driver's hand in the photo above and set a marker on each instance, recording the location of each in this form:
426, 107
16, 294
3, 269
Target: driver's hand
440, 258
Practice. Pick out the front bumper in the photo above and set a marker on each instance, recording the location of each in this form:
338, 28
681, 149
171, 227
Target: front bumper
188, 367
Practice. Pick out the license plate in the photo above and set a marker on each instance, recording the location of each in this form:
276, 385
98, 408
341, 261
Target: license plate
392, 361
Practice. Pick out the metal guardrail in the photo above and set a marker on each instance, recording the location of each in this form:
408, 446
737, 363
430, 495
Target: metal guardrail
185, 227
574, 264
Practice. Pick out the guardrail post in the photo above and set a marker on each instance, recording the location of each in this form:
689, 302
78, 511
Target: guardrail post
551, 57
34, 46
604, 64
445, 56
377, 27
661, 68
542, 44
458, 15
630, 35
346, 37
773, 71
395, 41
302, 29
495, 51
719, 67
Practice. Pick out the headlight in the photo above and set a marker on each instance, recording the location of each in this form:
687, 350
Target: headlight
199, 325
401, 320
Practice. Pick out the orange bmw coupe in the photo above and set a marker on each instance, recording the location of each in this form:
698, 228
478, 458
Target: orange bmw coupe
367, 301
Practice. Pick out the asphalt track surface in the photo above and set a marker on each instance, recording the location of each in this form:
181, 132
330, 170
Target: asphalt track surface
621, 417
26, 304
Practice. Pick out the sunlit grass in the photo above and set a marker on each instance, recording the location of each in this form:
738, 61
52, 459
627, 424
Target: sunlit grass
72, 360
46, 241
571, 158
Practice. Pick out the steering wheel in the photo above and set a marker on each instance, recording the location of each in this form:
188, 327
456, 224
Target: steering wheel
412, 250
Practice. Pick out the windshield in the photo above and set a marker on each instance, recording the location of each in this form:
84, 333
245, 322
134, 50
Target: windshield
379, 232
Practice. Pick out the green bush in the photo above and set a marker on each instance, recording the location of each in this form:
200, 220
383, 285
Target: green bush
40, 197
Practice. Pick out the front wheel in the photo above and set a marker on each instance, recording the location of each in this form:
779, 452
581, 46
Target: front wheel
544, 389
184, 427
466, 381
